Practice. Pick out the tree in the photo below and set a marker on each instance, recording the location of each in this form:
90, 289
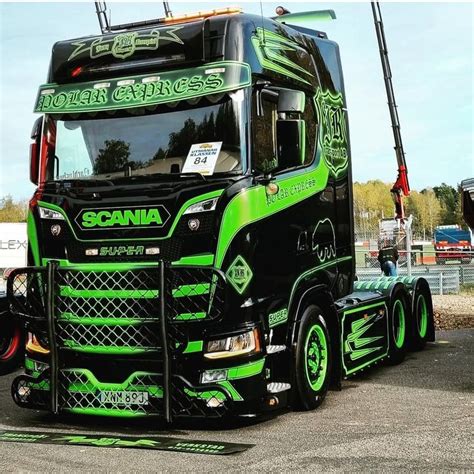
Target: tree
113, 157
11, 211
426, 211
449, 200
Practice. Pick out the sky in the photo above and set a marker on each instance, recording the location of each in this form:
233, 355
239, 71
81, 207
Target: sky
430, 49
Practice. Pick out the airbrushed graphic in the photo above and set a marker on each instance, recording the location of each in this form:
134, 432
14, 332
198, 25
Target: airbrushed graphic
325, 250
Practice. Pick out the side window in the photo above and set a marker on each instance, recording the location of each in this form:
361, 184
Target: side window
266, 156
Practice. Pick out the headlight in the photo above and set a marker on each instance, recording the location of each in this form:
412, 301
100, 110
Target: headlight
233, 346
203, 206
50, 214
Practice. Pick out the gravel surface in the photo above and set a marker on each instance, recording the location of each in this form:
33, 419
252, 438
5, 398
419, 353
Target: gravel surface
453, 311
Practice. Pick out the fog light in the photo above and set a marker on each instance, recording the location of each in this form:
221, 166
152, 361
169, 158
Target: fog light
210, 376
92, 252
152, 251
24, 392
55, 230
193, 224
214, 402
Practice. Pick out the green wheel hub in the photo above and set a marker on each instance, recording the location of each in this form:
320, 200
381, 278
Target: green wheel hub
316, 357
422, 315
399, 323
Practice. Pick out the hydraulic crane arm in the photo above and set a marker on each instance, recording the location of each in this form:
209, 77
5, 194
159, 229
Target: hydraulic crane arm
401, 186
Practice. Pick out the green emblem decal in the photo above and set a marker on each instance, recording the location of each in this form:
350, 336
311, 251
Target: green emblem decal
125, 44
110, 217
239, 274
120, 250
106, 442
277, 318
333, 135
355, 343
144, 90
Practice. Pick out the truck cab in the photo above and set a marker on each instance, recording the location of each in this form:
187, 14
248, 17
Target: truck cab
191, 238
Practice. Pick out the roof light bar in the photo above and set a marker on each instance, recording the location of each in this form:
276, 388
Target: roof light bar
188, 17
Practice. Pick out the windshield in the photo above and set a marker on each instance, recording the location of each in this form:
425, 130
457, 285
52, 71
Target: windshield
205, 136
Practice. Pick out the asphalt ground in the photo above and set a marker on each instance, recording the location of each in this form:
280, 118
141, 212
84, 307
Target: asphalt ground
415, 416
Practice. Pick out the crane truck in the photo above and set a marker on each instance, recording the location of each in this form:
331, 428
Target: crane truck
191, 244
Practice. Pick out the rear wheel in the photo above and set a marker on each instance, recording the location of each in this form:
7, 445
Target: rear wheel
422, 329
11, 346
398, 327
313, 362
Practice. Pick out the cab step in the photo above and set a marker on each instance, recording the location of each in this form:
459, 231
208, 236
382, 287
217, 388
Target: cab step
273, 349
278, 387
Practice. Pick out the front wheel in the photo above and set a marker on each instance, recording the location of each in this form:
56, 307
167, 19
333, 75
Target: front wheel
313, 363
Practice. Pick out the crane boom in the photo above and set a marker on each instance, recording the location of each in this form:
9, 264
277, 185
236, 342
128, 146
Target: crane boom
401, 186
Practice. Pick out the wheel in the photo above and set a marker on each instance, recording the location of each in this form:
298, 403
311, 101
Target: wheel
422, 325
399, 320
313, 362
11, 346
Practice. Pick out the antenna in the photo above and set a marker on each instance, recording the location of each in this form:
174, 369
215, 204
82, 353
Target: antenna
168, 12
101, 10
263, 26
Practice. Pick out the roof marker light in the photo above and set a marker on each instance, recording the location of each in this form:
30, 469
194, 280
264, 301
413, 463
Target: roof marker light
76, 71
102, 85
47, 91
214, 70
146, 80
126, 82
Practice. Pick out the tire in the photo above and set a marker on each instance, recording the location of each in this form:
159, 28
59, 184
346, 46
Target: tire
423, 330
399, 327
11, 346
313, 362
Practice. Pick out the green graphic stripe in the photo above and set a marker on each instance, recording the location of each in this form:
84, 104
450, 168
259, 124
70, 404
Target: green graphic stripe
127, 385
116, 350
247, 370
113, 412
207, 395
194, 200
270, 49
359, 353
236, 397
124, 294
140, 91
191, 290
190, 316
204, 260
194, 346
33, 239
252, 204
88, 321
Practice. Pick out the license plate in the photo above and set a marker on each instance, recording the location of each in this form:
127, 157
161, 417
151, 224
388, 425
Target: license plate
124, 398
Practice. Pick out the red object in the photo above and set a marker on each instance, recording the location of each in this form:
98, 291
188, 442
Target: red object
76, 71
14, 345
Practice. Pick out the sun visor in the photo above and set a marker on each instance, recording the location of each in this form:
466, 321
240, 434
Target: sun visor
144, 90
111, 52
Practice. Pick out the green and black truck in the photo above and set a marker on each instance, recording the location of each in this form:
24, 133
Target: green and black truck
191, 244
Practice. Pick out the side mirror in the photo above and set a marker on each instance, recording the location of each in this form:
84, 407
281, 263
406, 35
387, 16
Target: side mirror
35, 148
290, 143
290, 101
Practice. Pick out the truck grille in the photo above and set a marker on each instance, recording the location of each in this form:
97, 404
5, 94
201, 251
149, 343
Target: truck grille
116, 311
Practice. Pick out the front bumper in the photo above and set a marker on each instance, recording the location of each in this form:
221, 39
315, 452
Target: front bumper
128, 331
